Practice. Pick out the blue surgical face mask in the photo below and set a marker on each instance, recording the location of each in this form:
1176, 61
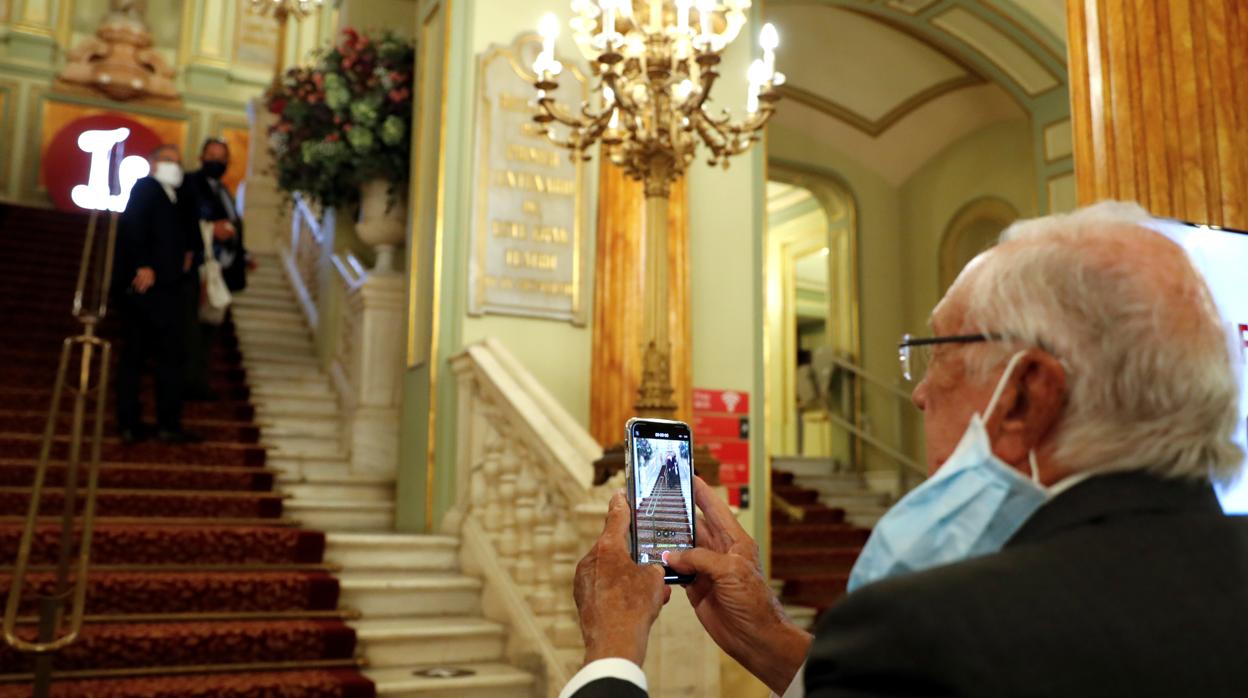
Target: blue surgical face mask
970, 507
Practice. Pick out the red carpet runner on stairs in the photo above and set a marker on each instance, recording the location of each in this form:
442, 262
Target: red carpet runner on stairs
813, 556
198, 586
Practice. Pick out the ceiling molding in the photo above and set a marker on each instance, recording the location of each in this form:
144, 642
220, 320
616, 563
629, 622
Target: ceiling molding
1018, 30
1045, 44
1000, 49
897, 113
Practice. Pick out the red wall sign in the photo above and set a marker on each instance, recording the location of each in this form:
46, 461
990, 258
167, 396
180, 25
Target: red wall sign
721, 421
67, 165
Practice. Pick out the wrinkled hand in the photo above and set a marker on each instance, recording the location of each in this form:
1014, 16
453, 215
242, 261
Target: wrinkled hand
732, 598
144, 278
617, 598
222, 230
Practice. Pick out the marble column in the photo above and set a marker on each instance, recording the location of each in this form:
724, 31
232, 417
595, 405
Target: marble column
619, 268
1160, 105
265, 212
372, 342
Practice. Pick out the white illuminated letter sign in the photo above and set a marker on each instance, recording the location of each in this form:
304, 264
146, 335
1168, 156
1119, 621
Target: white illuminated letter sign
95, 194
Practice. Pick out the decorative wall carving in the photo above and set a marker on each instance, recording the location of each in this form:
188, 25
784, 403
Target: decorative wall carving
120, 61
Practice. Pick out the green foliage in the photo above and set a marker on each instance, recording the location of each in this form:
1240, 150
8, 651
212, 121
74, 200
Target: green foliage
345, 120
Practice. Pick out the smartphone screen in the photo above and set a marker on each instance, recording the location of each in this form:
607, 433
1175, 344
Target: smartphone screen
661, 489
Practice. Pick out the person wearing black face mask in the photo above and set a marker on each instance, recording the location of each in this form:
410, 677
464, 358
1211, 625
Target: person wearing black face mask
215, 205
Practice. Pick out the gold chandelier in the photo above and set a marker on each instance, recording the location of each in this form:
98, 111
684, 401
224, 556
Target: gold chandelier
656, 62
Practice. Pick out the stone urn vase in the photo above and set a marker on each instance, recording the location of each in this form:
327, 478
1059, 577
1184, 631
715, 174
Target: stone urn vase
383, 221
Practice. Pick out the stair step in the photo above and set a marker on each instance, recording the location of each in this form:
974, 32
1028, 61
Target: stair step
297, 343
253, 331
262, 314
347, 489
261, 303
298, 467
292, 389
392, 551
304, 425
391, 596
804, 465
304, 446
270, 408
285, 375
389, 642
485, 681
274, 355
336, 515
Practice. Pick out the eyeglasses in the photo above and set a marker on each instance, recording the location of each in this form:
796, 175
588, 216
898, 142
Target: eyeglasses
915, 353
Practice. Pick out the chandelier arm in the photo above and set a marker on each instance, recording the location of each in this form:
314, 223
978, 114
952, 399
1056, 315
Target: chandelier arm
555, 111
710, 134
707, 81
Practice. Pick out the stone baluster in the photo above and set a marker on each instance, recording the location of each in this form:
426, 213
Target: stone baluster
543, 597
567, 552
524, 570
506, 541
489, 511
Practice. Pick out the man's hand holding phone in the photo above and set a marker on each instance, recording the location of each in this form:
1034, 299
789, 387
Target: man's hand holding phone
618, 599
732, 599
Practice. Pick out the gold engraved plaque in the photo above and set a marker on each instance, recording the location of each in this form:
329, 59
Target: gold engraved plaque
528, 202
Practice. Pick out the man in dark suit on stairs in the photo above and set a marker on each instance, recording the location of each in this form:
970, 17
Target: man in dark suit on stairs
153, 273
213, 203
1079, 405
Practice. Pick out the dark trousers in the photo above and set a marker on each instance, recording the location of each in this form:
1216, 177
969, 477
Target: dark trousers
151, 330
199, 338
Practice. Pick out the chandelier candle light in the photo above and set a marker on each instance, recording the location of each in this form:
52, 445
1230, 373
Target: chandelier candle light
656, 67
283, 10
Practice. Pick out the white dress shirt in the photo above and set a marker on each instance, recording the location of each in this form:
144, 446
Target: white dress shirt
609, 668
616, 668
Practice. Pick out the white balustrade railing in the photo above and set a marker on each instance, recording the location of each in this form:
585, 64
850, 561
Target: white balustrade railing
349, 275
308, 244
526, 513
524, 479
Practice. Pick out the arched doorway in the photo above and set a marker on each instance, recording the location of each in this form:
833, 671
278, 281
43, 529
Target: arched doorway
973, 229
811, 302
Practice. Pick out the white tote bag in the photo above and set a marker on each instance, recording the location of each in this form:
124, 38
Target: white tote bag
216, 297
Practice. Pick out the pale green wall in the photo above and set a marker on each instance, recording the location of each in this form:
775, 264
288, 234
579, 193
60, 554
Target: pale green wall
995, 161
557, 353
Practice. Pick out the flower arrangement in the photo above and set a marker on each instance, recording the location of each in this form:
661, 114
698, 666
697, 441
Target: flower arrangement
345, 120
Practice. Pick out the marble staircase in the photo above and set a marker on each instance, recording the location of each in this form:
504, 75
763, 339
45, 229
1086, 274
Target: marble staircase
416, 610
837, 488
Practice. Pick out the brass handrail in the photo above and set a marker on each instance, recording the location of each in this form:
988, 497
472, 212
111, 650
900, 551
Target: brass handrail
51, 607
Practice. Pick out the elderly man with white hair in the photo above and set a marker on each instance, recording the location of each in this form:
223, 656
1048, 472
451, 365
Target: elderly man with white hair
1079, 396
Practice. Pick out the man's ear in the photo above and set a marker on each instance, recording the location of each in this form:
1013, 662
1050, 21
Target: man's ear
1029, 408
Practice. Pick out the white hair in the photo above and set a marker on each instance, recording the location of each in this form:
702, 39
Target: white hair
1152, 380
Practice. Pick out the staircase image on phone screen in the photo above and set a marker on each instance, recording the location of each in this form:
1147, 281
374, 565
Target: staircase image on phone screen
663, 515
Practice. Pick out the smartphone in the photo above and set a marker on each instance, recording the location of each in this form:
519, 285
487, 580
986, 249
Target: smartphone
659, 463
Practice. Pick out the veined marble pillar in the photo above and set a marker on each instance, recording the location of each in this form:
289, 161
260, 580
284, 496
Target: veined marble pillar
619, 303
265, 212
1160, 105
372, 343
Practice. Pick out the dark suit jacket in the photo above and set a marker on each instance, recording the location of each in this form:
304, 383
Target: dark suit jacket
209, 207
1124, 585
155, 232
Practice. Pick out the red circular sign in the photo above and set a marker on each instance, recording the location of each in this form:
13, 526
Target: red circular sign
66, 165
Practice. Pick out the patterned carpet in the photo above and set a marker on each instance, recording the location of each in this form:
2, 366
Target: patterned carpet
198, 586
